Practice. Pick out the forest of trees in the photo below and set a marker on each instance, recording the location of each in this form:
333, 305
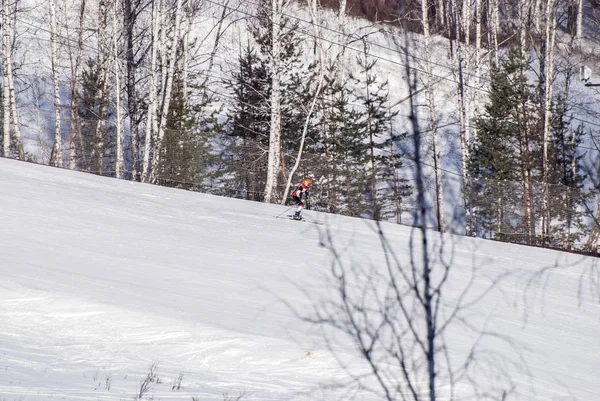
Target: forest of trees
245, 99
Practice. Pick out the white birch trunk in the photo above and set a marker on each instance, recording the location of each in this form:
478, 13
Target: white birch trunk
549, 56
186, 50
469, 90
6, 59
494, 19
579, 23
433, 118
523, 20
151, 122
467, 12
120, 162
442, 13
167, 91
56, 158
218, 35
320, 57
477, 79
75, 66
274, 158
10, 107
342, 38
14, 116
104, 47
459, 68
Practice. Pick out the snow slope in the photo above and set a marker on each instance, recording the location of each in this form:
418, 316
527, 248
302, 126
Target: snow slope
101, 278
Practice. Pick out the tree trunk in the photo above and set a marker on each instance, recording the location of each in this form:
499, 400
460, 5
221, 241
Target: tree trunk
167, 87
9, 103
341, 39
129, 21
151, 115
320, 54
548, 74
102, 93
56, 157
14, 116
5, 93
477, 79
494, 24
579, 23
524, 23
433, 117
274, 161
120, 159
593, 242
537, 15
185, 50
75, 121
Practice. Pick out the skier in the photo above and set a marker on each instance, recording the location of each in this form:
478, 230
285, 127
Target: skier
301, 190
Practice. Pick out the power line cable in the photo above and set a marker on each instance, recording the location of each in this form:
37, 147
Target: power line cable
312, 35
309, 35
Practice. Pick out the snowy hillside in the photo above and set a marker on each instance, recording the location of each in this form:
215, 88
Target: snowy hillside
101, 278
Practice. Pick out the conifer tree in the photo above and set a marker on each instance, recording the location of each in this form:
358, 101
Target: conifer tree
381, 158
566, 179
395, 188
186, 151
508, 149
336, 148
249, 134
351, 150
97, 142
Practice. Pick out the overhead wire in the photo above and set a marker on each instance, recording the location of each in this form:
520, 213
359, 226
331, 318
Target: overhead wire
202, 73
376, 44
309, 34
361, 51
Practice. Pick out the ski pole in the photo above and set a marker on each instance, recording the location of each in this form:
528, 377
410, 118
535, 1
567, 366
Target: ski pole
283, 212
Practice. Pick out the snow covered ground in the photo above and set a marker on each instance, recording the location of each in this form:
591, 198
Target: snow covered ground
101, 278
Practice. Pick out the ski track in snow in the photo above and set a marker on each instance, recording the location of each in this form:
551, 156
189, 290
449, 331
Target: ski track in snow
100, 278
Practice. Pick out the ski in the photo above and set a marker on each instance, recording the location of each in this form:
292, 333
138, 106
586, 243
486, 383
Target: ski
291, 217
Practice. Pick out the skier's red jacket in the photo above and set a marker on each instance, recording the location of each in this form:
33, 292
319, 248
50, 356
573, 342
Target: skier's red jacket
302, 189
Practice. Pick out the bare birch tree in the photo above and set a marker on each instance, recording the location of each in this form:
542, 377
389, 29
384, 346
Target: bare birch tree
313, 7
120, 157
169, 59
548, 75
493, 16
342, 38
56, 157
460, 66
9, 103
151, 115
5, 93
135, 54
427, 82
579, 23
274, 153
75, 56
103, 92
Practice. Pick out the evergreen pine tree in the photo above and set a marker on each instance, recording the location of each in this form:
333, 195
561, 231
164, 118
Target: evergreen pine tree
566, 178
97, 148
505, 160
379, 181
186, 151
248, 134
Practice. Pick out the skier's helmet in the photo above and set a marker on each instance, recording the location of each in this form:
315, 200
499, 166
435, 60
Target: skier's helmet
307, 182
